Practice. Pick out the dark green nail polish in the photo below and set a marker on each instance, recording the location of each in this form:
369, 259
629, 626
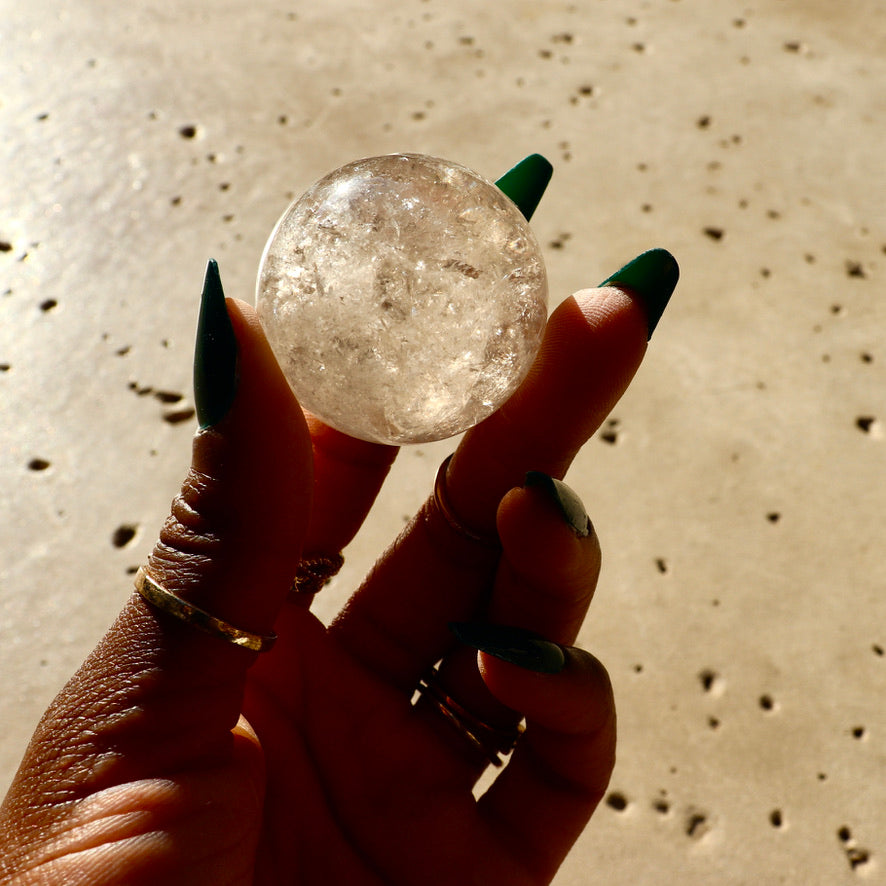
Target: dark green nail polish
652, 277
564, 497
215, 355
526, 649
526, 183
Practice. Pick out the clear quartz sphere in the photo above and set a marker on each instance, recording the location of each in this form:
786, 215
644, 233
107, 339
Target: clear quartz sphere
404, 297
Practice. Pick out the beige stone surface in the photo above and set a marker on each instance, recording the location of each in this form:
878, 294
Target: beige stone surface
738, 488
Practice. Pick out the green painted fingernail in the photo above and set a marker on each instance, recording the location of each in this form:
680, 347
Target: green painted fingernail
215, 354
652, 278
569, 504
526, 183
526, 649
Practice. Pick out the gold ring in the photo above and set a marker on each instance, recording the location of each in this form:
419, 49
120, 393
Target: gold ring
314, 573
168, 602
490, 741
441, 500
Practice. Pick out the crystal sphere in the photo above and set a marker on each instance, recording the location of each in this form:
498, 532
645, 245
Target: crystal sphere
404, 297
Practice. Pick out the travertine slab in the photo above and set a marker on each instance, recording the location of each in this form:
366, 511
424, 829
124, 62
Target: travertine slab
737, 489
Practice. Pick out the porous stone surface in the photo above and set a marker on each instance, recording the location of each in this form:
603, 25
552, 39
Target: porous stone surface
737, 488
404, 297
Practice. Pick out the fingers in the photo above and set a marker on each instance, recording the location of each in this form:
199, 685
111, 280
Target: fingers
545, 581
550, 560
348, 475
562, 764
396, 623
232, 541
592, 348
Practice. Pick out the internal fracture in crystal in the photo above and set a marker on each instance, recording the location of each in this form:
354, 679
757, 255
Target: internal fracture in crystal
405, 298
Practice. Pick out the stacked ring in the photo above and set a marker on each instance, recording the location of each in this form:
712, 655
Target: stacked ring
490, 741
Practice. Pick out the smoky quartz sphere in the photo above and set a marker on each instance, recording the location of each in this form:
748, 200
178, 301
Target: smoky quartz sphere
404, 297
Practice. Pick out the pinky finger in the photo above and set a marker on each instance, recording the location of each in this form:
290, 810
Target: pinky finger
562, 764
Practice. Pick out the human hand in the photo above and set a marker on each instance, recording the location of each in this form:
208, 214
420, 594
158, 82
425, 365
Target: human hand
175, 757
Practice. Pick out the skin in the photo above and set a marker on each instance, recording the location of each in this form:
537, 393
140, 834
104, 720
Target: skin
173, 757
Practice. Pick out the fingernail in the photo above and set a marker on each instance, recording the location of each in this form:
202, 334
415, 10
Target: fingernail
526, 649
652, 278
526, 183
564, 497
215, 355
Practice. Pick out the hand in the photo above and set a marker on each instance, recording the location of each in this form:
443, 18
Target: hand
174, 757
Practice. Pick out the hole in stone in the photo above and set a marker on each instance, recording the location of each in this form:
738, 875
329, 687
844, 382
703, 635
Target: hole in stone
844, 834
661, 806
866, 357
855, 269
48, 305
708, 679
696, 825
713, 722
5, 367
38, 464
638, 669
188, 131
703, 122
5, 246
773, 516
168, 396
142, 391
179, 416
767, 702
857, 857
776, 819
123, 535
878, 649
662, 565
560, 241
858, 732
617, 801
714, 233
865, 423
